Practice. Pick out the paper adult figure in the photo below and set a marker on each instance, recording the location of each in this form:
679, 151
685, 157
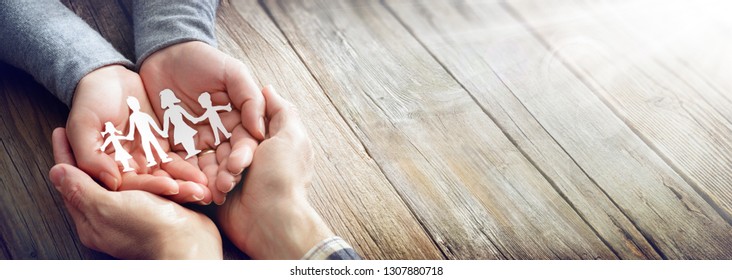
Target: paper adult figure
182, 133
143, 122
120, 154
213, 116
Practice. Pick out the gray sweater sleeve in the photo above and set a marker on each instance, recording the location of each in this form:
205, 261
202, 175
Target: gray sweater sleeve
45, 39
162, 23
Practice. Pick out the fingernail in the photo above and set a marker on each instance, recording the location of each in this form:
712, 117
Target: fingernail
223, 199
231, 187
199, 195
172, 191
109, 180
243, 155
261, 126
58, 175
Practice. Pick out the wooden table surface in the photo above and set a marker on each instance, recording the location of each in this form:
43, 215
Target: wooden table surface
458, 129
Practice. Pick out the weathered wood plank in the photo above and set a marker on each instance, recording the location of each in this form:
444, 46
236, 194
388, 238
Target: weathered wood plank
663, 111
472, 40
678, 36
477, 195
33, 226
349, 190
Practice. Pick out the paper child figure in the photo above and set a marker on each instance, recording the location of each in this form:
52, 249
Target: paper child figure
143, 122
213, 117
120, 154
182, 134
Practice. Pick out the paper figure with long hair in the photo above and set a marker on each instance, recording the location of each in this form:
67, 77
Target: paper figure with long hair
174, 113
120, 154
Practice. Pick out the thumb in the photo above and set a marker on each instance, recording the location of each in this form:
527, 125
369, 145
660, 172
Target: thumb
77, 188
280, 112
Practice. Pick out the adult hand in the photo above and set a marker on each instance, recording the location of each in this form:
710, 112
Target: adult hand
191, 68
130, 224
101, 97
270, 217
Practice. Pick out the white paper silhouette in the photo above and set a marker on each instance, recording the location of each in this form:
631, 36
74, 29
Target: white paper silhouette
120, 154
182, 133
213, 117
143, 122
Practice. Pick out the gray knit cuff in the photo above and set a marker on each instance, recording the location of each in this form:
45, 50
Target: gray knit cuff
50, 42
162, 23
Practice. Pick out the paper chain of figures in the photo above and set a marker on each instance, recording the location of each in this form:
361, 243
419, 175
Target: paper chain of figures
144, 124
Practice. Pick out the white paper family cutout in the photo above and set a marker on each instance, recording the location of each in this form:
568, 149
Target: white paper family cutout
120, 154
174, 114
143, 123
183, 134
213, 117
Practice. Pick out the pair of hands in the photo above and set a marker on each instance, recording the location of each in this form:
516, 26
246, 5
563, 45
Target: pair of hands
188, 69
268, 218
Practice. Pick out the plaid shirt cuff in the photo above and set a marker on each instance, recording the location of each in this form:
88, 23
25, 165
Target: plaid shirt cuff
333, 248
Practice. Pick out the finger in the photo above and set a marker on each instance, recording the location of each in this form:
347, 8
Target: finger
242, 145
207, 163
84, 138
61, 149
187, 191
191, 192
279, 111
218, 197
150, 183
224, 180
77, 188
180, 169
247, 97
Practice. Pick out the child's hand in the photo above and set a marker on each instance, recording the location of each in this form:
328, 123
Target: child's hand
189, 69
101, 97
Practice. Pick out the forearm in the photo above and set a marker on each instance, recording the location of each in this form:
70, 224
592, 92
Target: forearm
52, 44
162, 23
294, 228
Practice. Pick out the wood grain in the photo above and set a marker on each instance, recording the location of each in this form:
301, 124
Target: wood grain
349, 190
473, 41
697, 83
650, 102
477, 195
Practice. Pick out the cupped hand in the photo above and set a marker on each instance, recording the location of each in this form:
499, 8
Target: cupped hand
190, 69
270, 216
100, 97
130, 224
